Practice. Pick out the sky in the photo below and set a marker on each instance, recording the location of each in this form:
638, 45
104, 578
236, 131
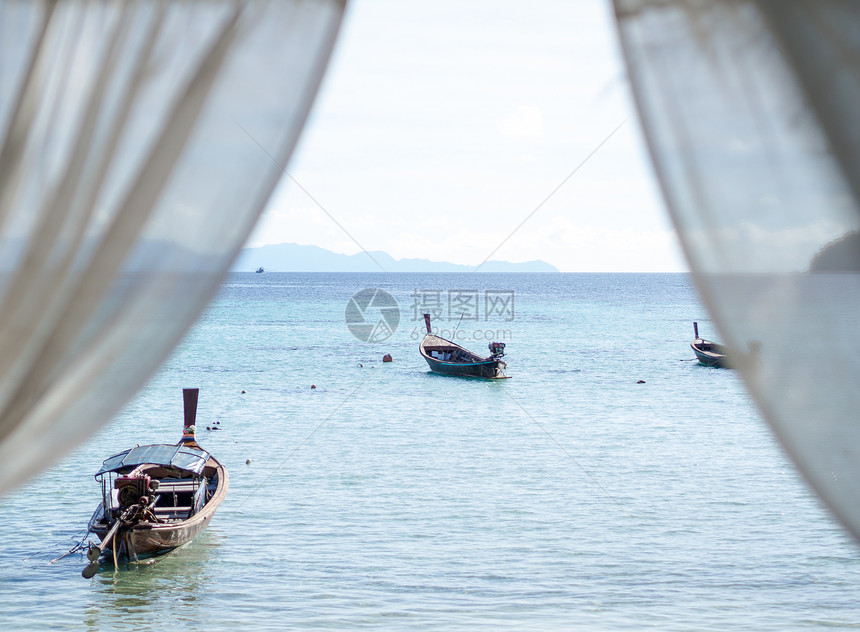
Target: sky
460, 132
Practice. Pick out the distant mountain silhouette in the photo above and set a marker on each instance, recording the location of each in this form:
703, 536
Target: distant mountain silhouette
841, 255
296, 258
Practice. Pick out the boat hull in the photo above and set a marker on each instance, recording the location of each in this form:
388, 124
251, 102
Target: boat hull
449, 358
489, 370
710, 354
148, 539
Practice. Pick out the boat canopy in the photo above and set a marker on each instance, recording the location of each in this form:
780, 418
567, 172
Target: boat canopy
168, 455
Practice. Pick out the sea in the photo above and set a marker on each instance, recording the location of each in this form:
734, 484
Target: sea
612, 483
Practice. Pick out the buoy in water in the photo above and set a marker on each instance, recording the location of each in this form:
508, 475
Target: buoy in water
313, 385
386, 357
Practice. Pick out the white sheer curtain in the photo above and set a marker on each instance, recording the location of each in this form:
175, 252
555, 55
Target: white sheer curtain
750, 109
140, 141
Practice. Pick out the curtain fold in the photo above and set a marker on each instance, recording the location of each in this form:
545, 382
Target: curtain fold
749, 111
130, 176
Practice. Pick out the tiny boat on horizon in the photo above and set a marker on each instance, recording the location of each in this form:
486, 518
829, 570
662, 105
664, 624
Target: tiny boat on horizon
449, 358
156, 498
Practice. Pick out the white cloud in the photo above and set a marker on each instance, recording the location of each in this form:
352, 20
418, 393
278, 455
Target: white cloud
441, 127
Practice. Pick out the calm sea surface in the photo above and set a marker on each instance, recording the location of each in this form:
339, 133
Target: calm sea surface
569, 497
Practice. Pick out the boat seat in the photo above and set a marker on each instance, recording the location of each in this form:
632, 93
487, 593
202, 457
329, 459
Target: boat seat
165, 487
174, 513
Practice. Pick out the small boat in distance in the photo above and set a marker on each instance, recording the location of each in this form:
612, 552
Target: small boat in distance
156, 498
708, 353
260, 270
449, 358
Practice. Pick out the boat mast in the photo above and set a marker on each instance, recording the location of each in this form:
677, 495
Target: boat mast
189, 400
454, 335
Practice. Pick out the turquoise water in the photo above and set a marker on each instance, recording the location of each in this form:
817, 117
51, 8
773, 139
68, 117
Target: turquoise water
568, 497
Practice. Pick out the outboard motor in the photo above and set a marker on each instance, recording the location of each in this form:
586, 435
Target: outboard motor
497, 349
132, 487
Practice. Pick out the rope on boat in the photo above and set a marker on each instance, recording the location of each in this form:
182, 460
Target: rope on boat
79, 546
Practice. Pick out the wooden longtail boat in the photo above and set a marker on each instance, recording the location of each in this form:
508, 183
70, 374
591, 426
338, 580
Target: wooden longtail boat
449, 358
709, 353
156, 498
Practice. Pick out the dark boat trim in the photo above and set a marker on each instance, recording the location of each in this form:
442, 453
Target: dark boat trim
466, 369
